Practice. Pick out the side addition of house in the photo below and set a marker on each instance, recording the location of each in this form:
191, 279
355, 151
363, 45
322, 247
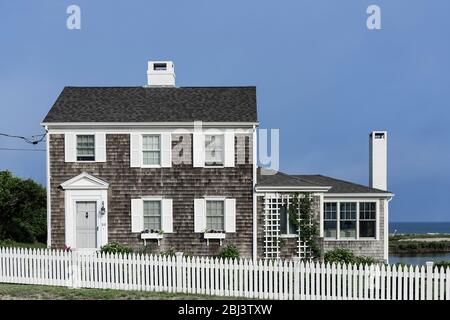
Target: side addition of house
165, 167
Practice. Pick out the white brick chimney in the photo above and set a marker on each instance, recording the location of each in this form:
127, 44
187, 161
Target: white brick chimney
160, 74
378, 160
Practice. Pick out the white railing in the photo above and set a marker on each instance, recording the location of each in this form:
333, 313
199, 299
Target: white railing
263, 279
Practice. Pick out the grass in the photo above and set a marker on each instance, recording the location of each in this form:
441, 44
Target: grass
36, 292
407, 243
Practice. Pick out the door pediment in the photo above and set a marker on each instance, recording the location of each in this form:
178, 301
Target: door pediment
85, 181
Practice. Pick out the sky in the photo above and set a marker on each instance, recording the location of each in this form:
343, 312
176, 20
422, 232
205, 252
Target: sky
323, 78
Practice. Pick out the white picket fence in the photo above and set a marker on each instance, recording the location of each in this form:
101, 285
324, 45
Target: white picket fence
262, 279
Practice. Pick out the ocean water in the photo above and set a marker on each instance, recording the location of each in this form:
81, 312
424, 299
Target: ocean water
419, 227
419, 259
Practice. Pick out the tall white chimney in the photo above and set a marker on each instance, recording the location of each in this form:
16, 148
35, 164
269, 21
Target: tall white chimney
161, 74
378, 160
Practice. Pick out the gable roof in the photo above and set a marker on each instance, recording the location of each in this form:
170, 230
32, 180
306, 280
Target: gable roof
84, 181
333, 185
154, 104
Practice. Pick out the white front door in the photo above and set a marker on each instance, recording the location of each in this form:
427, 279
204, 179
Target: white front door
86, 224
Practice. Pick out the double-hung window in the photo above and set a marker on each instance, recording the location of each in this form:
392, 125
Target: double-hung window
85, 148
151, 149
152, 215
215, 215
367, 219
347, 217
330, 219
286, 225
214, 150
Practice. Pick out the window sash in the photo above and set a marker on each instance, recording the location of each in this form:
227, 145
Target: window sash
215, 215
214, 150
330, 220
86, 147
152, 214
286, 225
151, 149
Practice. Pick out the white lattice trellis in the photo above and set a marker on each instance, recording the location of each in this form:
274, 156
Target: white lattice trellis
272, 206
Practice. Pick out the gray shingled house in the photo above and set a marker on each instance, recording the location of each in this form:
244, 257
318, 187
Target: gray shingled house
175, 167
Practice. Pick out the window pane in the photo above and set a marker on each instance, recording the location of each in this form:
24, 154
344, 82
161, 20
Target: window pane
283, 219
367, 210
214, 145
292, 227
329, 229
348, 229
348, 210
85, 148
151, 157
330, 210
215, 215
150, 142
367, 229
152, 215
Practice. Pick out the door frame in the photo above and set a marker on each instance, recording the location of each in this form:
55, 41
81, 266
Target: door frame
96, 226
100, 198
85, 187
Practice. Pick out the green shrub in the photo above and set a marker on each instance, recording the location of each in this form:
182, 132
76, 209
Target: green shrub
168, 253
444, 264
14, 244
115, 247
229, 252
340, 255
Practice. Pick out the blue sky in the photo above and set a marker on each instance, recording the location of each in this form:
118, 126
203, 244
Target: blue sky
322, 77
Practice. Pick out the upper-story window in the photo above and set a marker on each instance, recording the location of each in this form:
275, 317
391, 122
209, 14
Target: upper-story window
214, 147
215, 215
151, 150
286, 225
85, 147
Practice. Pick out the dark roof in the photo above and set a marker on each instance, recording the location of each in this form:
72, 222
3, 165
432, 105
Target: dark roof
281, 179
339, 186
150, 104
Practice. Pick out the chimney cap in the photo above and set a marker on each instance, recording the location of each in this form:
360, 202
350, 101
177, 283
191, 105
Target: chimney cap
160, 73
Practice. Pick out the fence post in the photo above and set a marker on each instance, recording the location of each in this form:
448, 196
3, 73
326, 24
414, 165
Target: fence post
429, 283
179, 265
296, 278
74, 283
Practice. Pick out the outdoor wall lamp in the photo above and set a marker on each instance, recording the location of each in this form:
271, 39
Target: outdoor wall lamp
103, 210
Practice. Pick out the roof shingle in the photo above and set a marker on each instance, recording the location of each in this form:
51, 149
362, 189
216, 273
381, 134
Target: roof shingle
154, 104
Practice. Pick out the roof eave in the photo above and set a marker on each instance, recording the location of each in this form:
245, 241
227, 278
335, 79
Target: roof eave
61, 125
291, 189
360, 195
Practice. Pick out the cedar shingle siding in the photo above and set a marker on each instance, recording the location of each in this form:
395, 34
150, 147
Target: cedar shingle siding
181, 182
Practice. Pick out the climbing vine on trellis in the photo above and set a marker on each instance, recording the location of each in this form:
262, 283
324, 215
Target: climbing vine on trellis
301, 214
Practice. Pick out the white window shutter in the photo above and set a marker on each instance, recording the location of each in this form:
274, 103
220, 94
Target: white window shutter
230, 215
70, 147
137, 215
167, 216
135, 150
100, 147
229, 148
166, 150
199, 215
198, 149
